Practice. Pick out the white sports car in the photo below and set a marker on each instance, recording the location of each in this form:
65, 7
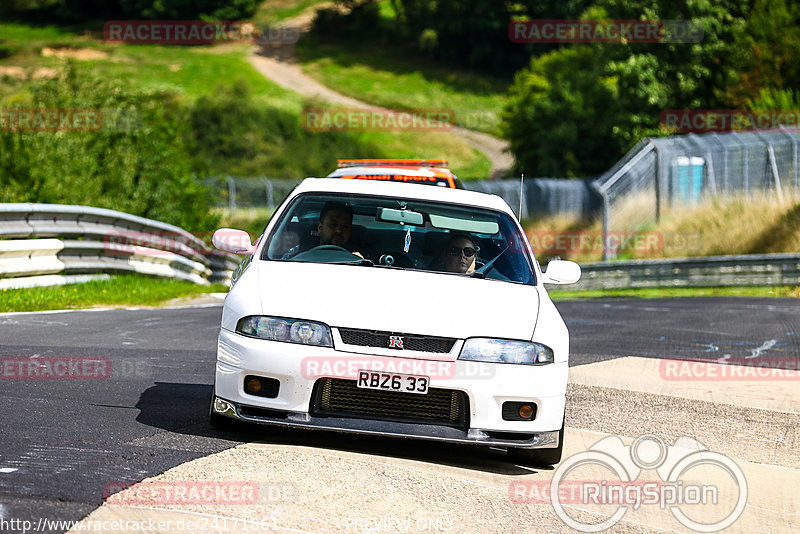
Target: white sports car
398, 310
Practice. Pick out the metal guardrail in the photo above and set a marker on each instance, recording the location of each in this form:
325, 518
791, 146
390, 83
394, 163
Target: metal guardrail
38, 241
713, 271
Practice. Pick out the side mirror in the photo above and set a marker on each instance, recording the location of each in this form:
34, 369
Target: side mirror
230, 240
561, 272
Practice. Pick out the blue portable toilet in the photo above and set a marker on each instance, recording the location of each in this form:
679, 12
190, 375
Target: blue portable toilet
688, 178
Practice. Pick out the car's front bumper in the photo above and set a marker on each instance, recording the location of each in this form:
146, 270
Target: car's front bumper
486, 385
386, 428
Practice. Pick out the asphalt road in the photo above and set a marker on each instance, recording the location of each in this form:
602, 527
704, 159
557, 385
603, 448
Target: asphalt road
62, 442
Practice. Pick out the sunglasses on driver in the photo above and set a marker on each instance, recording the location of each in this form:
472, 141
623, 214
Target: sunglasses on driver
468, 251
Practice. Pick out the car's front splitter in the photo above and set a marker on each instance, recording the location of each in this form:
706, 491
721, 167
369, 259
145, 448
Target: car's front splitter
472, 436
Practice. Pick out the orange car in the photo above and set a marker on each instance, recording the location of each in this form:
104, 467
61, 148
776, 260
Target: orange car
418, 171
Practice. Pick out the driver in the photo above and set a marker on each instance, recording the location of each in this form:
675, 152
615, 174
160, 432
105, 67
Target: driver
334, 228
335, 224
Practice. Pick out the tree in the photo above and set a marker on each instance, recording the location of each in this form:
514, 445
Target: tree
562, 114
767, 48
139, 165
614, 94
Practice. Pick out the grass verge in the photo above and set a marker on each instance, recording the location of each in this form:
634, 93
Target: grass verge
736, 224
273, 11
664, 292
397, 77
195, 71
118, 290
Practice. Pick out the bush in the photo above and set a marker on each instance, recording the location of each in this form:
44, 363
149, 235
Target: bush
189, 9
82, 10
139, 166
232, 134
354, 23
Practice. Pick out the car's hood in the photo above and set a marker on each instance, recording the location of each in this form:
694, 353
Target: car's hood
395, 300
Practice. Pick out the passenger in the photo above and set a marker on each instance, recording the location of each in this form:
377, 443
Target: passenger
459, 255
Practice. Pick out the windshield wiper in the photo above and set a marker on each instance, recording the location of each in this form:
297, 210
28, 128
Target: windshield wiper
361, 261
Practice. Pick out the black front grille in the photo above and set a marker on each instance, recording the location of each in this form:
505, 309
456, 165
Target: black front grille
337, 397
373, 338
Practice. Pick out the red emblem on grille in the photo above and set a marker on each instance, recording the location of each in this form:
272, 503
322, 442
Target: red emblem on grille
395, 342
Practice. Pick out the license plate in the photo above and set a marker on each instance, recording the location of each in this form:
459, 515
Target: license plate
392, 382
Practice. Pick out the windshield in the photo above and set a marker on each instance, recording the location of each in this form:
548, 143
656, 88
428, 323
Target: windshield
400, 233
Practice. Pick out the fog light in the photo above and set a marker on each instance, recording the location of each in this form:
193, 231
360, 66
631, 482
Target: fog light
262, 386
253, 385
525, 411
519, 411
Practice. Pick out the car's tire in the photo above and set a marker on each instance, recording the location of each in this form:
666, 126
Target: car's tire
539, 457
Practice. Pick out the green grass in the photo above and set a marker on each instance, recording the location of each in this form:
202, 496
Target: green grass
272, 11
733, 224
650, 293
194, 71
190, 71
118, 290
397, 77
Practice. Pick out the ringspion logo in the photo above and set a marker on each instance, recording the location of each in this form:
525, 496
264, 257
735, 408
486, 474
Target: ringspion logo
703, 490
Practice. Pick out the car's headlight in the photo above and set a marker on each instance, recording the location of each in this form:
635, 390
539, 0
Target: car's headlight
505, 351
289, 330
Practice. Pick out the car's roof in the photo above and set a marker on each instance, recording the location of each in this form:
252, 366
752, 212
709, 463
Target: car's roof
403, 190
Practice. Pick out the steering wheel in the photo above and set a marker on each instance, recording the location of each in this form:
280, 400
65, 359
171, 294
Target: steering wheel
326, 253
331, 247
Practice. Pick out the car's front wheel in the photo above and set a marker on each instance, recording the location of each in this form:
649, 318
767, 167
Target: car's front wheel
539, 457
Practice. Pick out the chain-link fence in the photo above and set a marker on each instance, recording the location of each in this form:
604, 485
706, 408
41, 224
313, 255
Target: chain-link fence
260, 192
541, 197
659, 173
